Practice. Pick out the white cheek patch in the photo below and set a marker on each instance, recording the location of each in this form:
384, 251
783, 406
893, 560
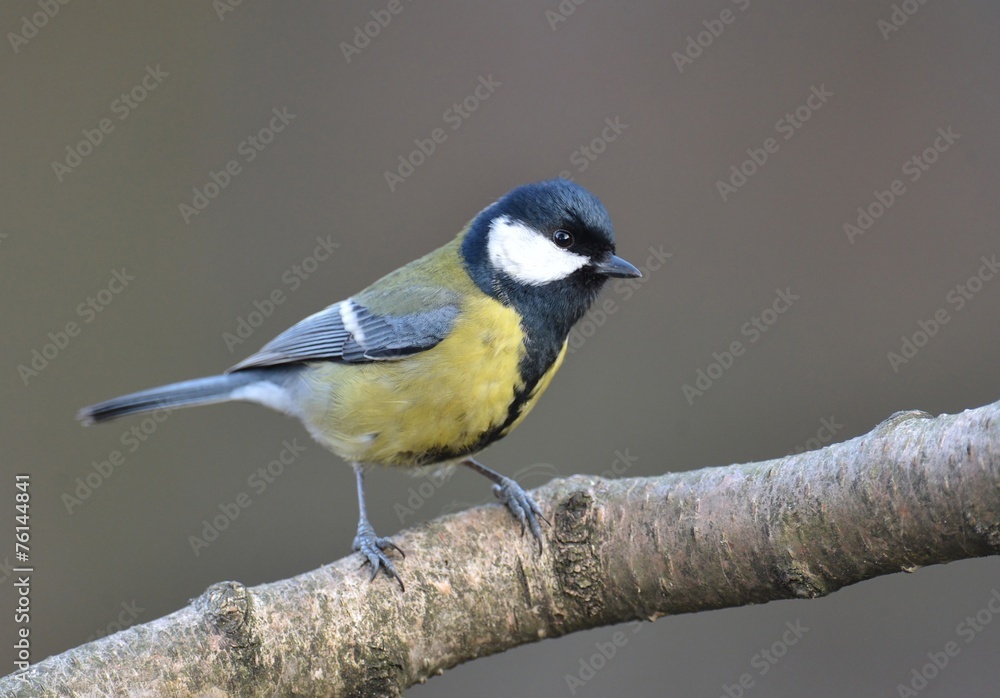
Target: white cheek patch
527, 256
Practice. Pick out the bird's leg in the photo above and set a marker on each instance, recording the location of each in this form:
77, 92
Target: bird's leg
520, 503
369, 544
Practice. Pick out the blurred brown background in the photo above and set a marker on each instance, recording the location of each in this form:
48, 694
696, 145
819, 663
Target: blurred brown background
212, 81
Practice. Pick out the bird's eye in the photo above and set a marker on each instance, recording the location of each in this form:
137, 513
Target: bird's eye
562, 238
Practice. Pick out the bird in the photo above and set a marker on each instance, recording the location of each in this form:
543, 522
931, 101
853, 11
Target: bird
436, 360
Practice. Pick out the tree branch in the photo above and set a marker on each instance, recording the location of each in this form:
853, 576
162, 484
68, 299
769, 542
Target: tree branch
915, 491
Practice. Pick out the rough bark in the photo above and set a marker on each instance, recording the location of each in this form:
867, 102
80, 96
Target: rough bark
915, 491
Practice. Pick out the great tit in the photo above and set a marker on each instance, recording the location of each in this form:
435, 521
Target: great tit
437, 360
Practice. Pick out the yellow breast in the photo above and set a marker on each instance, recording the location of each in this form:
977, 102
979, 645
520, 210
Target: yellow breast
438, 405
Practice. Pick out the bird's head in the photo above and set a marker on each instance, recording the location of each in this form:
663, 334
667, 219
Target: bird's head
544, 240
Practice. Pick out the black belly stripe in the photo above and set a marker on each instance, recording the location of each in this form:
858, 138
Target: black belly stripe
485, 438
547, 315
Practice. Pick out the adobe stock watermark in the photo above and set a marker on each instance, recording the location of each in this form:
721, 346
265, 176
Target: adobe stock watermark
121, 107
125, 619
967, 630
766, 659
418, 495
58, 340
899, 16
31, 25
563, 10
365, 33
224, 7
250, 147
958, 297
828, 428
293, 277
624, 289
714, 28
786, 126
454, 116
131, 439
913, 169
6, 570
590, 666
622, 463
258, 482
586, 154
753, 329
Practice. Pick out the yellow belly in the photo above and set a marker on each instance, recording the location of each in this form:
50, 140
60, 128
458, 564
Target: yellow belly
430, 407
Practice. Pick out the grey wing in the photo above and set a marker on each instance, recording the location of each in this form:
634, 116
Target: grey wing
350, 332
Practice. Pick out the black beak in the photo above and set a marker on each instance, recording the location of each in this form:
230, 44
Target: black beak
616, 266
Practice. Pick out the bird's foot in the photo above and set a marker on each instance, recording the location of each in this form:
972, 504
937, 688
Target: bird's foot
373, 549
522, 506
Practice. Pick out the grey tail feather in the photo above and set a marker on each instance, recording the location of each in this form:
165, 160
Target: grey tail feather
200, 391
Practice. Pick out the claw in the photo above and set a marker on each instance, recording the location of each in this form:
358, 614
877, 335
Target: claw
372, 548
522, 506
